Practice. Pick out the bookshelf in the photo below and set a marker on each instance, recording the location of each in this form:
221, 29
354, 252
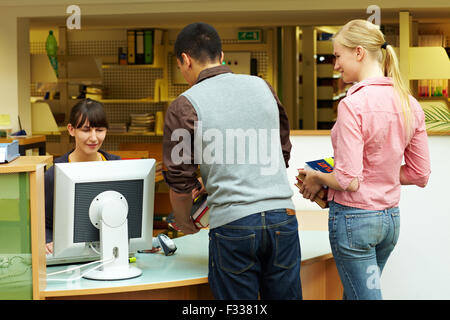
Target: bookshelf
320, 87
129, 88
328, 95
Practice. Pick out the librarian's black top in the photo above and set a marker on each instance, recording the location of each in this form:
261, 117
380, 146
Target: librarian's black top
49, 191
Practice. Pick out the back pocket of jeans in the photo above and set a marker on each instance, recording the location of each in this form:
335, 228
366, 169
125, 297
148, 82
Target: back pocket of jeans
236, 254
364, 230
286, 249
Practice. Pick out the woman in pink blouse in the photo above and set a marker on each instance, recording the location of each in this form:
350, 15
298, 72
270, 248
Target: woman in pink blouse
378, 124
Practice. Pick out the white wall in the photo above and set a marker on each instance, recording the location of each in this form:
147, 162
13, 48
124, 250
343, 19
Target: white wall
8, 69
419, 267
306, 148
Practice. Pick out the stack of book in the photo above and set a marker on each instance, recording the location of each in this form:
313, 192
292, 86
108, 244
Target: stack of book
158, 167
94, 92
142, 123
324, 165
117, 127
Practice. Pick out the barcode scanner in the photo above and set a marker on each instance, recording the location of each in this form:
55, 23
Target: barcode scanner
167, 244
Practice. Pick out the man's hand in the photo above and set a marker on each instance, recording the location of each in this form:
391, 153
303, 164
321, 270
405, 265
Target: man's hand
198, 192
182, 205
49, 248
187, 227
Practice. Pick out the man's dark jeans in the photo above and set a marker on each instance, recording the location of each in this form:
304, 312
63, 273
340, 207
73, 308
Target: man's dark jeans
258, 254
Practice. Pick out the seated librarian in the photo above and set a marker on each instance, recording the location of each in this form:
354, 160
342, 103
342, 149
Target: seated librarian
88, 125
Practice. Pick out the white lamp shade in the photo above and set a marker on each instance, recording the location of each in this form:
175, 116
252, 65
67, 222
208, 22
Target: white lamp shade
42, 119
428, 63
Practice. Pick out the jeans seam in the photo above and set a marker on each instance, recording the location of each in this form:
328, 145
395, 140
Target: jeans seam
396, 230
349, 280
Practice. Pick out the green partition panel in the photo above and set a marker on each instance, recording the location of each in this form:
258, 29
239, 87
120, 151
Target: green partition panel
15, 237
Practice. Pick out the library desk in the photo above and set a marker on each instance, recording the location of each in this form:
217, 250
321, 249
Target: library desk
184, 275
28, 142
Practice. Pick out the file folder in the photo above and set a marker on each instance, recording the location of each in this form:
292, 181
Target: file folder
139, 47
148, 46
131, 46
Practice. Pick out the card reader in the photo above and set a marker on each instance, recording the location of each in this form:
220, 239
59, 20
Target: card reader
167, 244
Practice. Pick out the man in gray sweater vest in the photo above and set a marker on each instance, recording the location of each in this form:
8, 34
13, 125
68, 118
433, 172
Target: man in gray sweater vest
235, 129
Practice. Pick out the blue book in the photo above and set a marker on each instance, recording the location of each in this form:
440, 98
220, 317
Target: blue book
325, 165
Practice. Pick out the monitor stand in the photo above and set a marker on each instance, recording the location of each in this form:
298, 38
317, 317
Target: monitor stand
108, 212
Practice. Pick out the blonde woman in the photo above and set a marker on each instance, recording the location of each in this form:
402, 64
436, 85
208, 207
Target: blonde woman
379, 123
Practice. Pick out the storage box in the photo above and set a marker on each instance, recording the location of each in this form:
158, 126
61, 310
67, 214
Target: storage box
9, 151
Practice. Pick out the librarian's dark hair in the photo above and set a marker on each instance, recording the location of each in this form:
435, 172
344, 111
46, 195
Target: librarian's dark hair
199, 40
90, 110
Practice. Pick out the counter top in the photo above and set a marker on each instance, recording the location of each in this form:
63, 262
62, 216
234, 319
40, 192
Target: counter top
25, 164
188, 266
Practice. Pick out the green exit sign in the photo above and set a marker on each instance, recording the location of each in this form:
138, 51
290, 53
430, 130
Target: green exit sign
249, 35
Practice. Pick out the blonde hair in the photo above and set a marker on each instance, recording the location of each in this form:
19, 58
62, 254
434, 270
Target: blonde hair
369, 36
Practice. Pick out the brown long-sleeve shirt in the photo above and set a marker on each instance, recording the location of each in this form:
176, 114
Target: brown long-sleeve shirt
182, 178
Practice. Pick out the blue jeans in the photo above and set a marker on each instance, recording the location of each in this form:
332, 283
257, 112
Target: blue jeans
361, 242
257, 254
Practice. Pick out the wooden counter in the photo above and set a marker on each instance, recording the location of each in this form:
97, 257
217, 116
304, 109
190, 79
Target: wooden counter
34, 224
28, 142
310, 132
25, 164
185, 274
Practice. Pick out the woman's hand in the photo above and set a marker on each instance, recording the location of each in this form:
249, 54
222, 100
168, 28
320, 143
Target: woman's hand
310, 186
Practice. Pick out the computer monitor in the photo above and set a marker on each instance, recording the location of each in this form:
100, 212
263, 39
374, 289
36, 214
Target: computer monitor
122, 189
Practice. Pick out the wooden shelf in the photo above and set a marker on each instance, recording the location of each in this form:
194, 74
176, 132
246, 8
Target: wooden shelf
143, 101
151, 134
131, 66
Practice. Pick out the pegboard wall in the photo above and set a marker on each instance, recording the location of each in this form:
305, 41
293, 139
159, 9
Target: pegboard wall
121, 82
261, 57
135, 82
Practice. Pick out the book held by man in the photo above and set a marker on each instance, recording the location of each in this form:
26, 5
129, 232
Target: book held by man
325, 165
199, 213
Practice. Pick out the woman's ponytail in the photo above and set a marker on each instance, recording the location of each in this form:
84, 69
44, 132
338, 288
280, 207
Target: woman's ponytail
392, 70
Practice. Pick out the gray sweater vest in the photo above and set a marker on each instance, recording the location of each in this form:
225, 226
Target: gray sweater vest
237, 145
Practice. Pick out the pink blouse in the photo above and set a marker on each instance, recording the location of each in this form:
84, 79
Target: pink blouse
369, 143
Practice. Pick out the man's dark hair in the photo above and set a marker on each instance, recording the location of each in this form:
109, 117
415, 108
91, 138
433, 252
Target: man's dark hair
200, 41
